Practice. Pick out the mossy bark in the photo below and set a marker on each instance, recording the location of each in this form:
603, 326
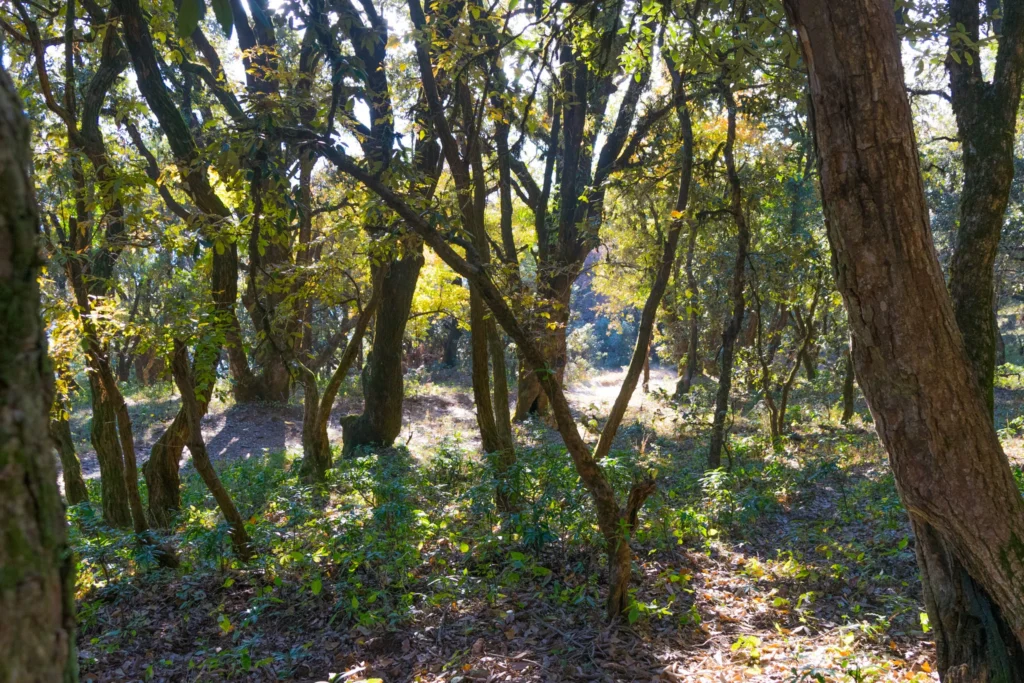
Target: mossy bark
71, 469
382, 379
37, 626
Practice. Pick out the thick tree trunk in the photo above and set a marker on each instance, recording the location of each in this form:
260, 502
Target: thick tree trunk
161, 473
37, 626
929, 410
383, 385
71, 469
736, 297
986, 116
550, 331
103, 434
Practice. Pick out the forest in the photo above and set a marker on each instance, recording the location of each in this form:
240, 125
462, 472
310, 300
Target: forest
511, 340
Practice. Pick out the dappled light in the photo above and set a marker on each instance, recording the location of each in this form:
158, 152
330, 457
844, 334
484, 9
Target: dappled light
453, 342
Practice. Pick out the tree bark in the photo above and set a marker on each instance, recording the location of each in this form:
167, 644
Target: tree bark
686, 380
848, 387
37, 629
194, 410
735, 322
928, 407
316, 447
71, 469
382, 378
986, 117
161, 473
103, 435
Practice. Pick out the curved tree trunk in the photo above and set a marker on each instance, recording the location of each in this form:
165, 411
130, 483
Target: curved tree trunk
37, 637
316, 447
383, 385
735, 322
929, 410
200, 458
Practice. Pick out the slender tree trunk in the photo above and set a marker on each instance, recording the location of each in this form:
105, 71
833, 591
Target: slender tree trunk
506, 496
1000, 344
200, 458
735, 322
71, 469
383, 384
646, 384
929, 410
316, 446
686, 381
848, 387
37, 626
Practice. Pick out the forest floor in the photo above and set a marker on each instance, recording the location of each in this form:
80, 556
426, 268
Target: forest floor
796, 564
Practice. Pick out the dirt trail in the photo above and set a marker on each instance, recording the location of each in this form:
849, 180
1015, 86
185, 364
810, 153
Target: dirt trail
241, 431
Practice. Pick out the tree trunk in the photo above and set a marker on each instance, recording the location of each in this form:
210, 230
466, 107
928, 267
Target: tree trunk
1000, 343
200, 458
316, 446
71, 469
103, 434
735, 323
37, 629
383, 385
986, 116
161, 473
646, 384
506, 496
453, 333
686, 381
848, 387
929, 410
550, 330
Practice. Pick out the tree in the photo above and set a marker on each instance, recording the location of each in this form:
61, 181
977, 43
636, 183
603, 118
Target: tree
986, 118
616, 520
910, 359
37, 637
736, 286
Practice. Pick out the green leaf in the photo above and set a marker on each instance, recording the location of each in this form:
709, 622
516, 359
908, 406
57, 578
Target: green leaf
634, 613
189, 14
222, 10
464, 547
316, 586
